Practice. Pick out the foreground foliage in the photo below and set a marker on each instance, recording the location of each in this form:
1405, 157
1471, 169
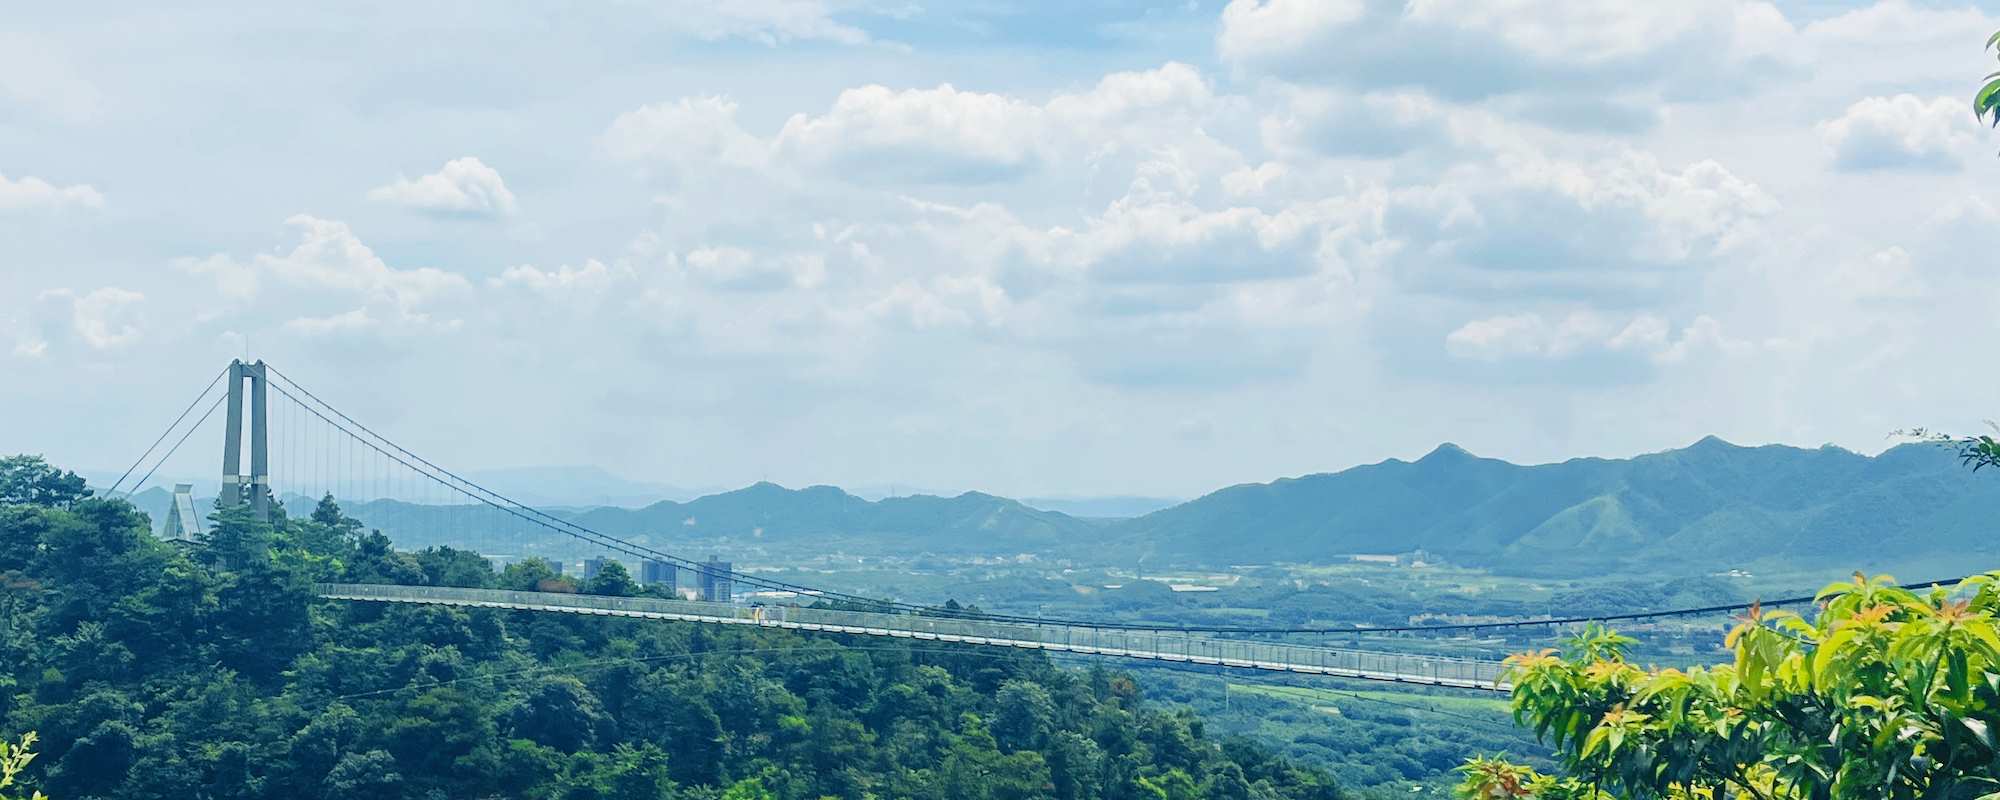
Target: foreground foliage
156, 672
1986, 103
13, 759
1886, 693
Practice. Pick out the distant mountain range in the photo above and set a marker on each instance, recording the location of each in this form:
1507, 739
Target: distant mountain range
1707, 507
1712, 505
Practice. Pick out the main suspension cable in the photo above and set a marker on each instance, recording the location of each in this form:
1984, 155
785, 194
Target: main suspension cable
163, 437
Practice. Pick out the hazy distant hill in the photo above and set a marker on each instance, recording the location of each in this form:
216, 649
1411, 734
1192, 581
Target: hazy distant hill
763, 513
1113, 507
1711, 505
970, 522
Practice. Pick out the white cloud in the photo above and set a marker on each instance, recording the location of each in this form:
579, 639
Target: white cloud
1252, 181
876, 134
30, 192
1173, 241
1253, 29
1538, 224
106, 318
1121, 100
1901, 132
330, 263
593, 276
735, 268
1376, 124
464, 187
330, 256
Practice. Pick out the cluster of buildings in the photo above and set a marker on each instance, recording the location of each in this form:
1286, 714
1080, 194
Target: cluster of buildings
713, 579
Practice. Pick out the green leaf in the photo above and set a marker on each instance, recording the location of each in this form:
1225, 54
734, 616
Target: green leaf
1986, 101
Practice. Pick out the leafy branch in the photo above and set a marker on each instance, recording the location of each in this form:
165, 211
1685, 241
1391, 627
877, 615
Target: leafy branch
13, 759
1987, 102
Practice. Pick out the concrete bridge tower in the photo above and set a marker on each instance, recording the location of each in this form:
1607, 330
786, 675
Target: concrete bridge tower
254, 487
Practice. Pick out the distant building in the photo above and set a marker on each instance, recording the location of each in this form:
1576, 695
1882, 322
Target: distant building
715, 583
660, 575
592, 566
1375, 558
183, 522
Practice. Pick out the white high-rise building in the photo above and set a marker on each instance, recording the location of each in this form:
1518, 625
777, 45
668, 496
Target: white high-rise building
183, 522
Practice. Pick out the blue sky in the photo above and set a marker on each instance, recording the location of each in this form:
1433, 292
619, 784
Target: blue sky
1030, 248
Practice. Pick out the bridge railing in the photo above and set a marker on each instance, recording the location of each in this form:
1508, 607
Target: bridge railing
1162, 645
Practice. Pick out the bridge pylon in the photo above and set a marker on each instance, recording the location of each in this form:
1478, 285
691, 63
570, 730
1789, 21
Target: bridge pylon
254, 487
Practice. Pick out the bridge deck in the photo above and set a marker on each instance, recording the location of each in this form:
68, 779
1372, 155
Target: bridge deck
1147, 645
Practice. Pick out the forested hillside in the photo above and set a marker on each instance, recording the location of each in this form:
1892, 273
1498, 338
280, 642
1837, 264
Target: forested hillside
155, 672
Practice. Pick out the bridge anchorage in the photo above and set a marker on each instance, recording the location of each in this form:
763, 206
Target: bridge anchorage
430, 503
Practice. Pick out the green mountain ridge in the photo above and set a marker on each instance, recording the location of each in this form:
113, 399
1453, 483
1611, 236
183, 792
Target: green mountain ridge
1712, 505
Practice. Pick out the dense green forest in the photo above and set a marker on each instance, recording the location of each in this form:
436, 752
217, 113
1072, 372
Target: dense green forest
150, 671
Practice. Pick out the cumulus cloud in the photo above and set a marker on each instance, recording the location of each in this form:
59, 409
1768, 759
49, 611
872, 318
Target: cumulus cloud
1334, 123
1531, 222
106, 318
30, 192
877, 135
1180, 242
874, 134
330, 263
330, 256
1901, 132
464, 187
1249, 181
738, 269
593, 276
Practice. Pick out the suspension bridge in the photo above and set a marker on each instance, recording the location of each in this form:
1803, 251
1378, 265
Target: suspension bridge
315, 450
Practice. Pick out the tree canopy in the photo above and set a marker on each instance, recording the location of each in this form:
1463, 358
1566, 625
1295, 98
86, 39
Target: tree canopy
30, 480
156, 671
